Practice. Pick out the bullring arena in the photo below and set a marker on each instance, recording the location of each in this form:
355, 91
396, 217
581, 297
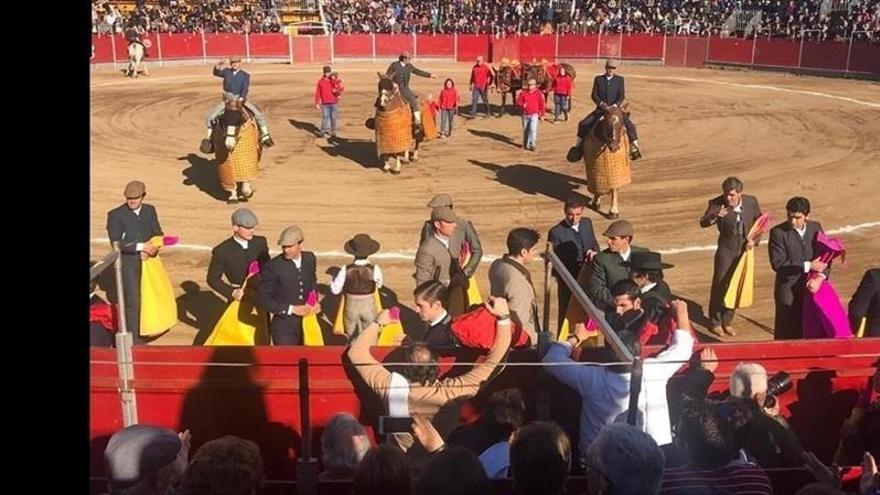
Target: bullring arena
783, 135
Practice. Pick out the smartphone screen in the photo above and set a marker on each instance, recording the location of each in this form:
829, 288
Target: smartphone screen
390, 424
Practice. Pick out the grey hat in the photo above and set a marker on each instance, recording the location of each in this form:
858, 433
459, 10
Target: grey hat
244, 217
135, 189
620, 228
441, 199
290, 236
611, 63
444, 214
139, 451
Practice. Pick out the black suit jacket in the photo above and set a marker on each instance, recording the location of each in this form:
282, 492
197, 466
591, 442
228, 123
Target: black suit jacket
125, 226
655, 301
866, 303
231, 260
611, 91
571, 246
788, 252
439, 336
282, 284
608, 269
731, 234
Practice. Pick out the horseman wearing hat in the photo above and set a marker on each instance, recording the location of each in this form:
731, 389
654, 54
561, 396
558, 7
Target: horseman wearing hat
236, 84
400, 72
608, 90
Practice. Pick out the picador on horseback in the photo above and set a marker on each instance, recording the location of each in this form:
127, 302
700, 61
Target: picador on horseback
608, 90
400, 72
137, 50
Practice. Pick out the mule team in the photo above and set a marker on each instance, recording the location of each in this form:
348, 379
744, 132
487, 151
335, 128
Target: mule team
237, 131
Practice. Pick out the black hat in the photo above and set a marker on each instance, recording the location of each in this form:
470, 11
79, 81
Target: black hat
645, 261
361, 246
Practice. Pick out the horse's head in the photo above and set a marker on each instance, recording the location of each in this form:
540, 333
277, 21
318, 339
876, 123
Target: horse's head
537, 72
609, 129
386, 89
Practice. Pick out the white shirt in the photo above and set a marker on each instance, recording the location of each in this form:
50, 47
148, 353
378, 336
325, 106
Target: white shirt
625, 254
339, 280
439, 318
605, 394
802, 233
297, 262
648, 286
573, 226
140, 245
241, 242
444, 240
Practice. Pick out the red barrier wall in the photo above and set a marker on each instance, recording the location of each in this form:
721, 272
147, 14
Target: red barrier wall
536, 47
471, 46
268, 45
353, 45
392, 45
224, 44
505, 48
777, 53
831, 56
730, 50
865, 58
642, 46
441, 45
102, 50
321, 49
609, 46
676, 51
578, 46
122, 48
696, 52
180, 46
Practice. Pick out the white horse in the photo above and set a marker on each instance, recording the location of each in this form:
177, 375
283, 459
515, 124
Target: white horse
136, 60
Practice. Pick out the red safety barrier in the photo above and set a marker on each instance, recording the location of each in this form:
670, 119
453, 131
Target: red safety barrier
353, 46
675, 51
392, 45
505, 48
777, 53
536, 47
697, 50
730, 50
302, 49
471, 46
322, 51
578, 46
827, 56
268, 45
224, 44
609, 45
642, 46
102, 50
440, 45
865, 58
179, 46
121, 49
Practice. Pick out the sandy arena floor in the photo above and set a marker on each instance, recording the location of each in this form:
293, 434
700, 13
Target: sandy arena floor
783, 135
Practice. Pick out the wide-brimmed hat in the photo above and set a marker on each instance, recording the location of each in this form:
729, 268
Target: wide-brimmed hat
645, 261
361, 246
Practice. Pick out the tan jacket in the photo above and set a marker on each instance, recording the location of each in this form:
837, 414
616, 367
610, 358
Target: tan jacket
433, 261
425, 401
505, 281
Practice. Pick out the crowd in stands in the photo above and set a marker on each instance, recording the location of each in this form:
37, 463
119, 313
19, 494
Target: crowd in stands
825, 20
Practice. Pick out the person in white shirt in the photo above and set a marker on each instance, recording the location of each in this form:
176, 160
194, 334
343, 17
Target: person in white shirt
605, 389
357, 282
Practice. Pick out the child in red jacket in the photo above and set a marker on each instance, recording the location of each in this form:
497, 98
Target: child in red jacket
563, 84
448, 107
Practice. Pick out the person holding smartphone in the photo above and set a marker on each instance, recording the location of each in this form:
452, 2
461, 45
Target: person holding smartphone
416, 388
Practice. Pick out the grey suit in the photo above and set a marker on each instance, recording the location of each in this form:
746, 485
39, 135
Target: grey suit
434, 261
732, 231
788, 253
129, 229
464, 231
608, 269
508, 282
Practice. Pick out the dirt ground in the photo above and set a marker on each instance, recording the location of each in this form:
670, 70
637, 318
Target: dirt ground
783, 135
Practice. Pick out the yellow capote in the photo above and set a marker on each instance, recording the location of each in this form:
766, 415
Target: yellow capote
861, 331
574, 313
312, 335
240, 324
158, 305
741, 290
339, 321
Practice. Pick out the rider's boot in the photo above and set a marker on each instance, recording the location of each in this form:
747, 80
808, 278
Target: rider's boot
207, 145
576, 152
265, 138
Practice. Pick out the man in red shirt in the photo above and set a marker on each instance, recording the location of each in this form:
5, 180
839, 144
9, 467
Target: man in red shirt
531, 100
326, 101
481, 76
562, 87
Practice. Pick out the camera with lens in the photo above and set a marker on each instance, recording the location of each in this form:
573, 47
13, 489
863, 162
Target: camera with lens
777, 384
